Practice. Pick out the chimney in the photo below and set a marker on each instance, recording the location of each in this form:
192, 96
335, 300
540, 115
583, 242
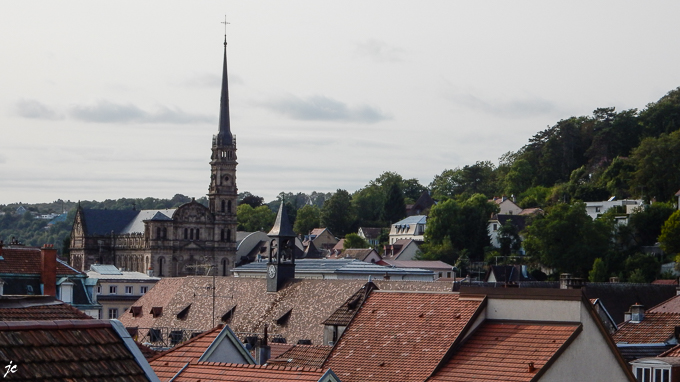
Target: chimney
531, 367
263, 351
637, 313
48, 270
568, 282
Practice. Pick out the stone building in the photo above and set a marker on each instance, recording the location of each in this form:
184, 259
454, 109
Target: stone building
189, 240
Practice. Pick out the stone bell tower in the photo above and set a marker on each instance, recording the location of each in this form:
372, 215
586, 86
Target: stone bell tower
222, 192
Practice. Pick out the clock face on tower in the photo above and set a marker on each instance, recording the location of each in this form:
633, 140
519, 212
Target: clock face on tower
271, 271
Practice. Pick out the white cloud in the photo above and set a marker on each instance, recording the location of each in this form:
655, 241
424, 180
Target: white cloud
322, 108
509, 108
29, 108
108, 112
379, 51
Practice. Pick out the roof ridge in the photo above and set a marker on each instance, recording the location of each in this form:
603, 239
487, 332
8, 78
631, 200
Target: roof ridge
54, 324
192, 340
661, 303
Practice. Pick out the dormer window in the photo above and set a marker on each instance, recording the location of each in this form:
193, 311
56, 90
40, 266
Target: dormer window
136, 311
182, 315
156, 311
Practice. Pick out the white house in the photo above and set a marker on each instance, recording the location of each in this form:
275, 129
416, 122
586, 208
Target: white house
413, 227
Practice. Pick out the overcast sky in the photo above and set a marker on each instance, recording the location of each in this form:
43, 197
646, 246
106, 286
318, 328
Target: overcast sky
120, 99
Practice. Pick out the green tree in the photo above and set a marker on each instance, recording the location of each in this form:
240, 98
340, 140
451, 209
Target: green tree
368, 204
252, 200
647, 222
508, 236
307, 219
599, 272
670, 234
254, 219
657, 163
519, 177
394, 208
662, 116
442, 251
337, 214
642, 268
353, 240
467, 181
567, 239
464, 224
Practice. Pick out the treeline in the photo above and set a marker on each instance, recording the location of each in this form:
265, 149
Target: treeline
28, 229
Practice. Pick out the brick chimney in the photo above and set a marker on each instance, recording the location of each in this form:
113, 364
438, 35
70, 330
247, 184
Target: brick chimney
48, 270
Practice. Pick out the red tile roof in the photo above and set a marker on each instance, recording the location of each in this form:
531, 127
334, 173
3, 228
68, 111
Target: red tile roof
215, 371
277, 349
654, 328
665, 282
75, 350
303, 356
27, 261
400, 336
503, 351
310, 303
672, 352
672, 305
169, 363
35, 308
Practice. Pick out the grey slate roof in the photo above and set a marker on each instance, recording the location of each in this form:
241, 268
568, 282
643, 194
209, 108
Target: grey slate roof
340, 266
415, 219
103, 222
282, 225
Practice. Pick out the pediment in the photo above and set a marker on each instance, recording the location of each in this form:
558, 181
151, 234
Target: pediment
192, 246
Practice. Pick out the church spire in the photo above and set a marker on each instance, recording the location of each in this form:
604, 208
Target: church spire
224, 137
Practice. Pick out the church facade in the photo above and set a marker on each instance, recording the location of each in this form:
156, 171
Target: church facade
192, 239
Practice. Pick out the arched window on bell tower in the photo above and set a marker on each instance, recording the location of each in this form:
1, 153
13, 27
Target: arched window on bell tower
225, 264
229, 206
186, 233
222, 235
228, 236
224, 204
161, 262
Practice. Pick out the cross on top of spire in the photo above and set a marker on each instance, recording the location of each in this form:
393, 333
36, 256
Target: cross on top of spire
225, 28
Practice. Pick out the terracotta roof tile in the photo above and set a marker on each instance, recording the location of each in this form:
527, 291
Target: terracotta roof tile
311, 301
214, 371
499, 351
672, 352
303, 356
59, 311
27, 261
665, 282
75, 350
277, 349
400, 336
672, 305
654, 328
169, 363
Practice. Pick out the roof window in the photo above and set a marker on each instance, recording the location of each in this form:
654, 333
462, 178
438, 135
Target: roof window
157, 311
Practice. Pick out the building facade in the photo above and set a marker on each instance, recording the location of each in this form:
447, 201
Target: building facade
192, 239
